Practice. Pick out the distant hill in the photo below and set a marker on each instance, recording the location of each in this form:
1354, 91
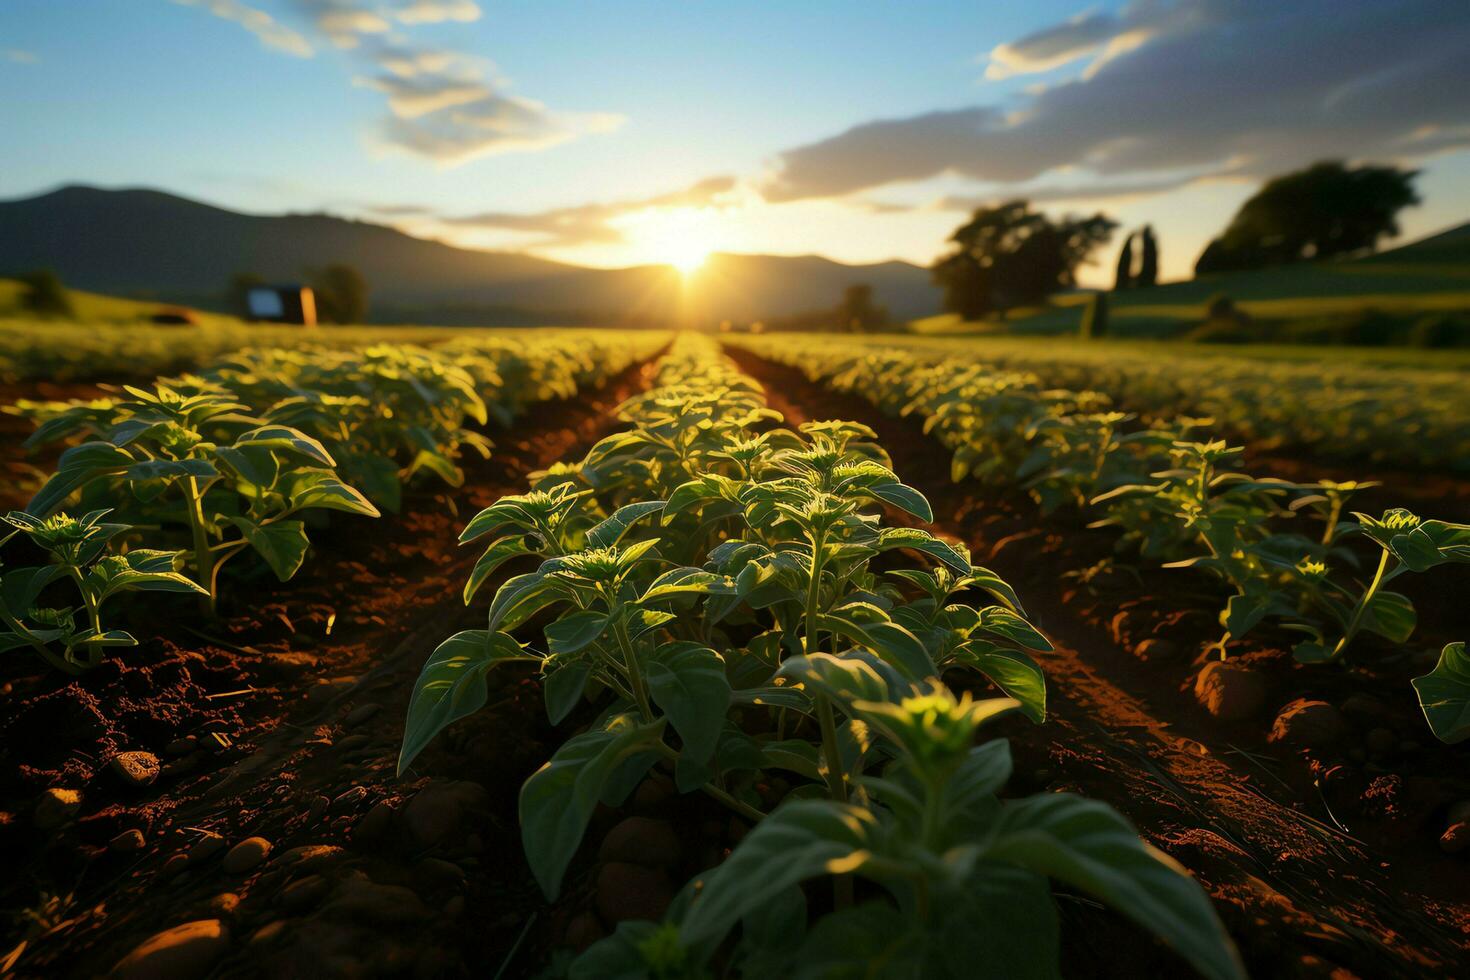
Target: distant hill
152, 245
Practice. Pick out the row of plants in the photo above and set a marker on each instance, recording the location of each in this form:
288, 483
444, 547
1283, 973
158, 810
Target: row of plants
1289, 554
248, 455
720, 597
1339, 408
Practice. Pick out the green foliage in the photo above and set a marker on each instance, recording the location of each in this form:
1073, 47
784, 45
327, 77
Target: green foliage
1095, 317
1009, 255
81, 553
1323, 211
711, 582
341, 294
43, 294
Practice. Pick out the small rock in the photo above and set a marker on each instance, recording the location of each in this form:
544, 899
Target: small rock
317, 809
583, 931
127, 842
438, 810
184, 952
653, 792
437, 871
1229, 691
224, 904
349, 799
268, 932
361, 713
1312, 724
1381, 741
1364, 709
360, 899
353, 742
631, 891
136, 769
246, 855
1456, 838
454, 908
205, 848
641, 840
181, 746
56, 806
310, 858
1157, 650
374, 825
304, 893
175, 864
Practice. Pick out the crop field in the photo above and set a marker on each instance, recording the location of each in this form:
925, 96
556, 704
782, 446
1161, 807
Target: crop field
673, 654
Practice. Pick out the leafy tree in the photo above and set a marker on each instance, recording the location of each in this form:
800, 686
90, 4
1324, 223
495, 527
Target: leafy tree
1009, 255
1325, 210
43, 294
857, 312
237, 294
1124, 277
341, 294
1148, 263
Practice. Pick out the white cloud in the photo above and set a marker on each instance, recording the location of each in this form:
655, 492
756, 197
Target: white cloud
1245, 87
271, 32
20, 57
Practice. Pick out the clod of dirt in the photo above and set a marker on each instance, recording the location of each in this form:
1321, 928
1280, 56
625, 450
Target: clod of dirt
643, 841
360, 714
438, 810
247, 854
1157, 650
310, 858
361, 899
224, 904
631, 891
1381, 741
135, 769
205, 848
55, 807
653, 792
185, 952
1310, 724
1364, 709
1229, 691
127, 842
374, 826
439, 873
304, 893
1456, 838
584, 930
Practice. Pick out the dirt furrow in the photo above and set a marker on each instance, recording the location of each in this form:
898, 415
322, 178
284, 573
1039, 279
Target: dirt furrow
1301, 896
281, 721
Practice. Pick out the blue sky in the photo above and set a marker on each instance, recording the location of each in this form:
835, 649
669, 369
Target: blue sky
622, 131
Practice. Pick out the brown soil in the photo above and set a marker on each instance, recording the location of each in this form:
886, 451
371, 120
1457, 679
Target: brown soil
282, 720
1322, 862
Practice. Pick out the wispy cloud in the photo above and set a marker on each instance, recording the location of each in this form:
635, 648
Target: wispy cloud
1240, 87
20, 57
271, 32
444, 105
586, 224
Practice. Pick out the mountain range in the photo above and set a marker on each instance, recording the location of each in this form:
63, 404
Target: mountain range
152, 245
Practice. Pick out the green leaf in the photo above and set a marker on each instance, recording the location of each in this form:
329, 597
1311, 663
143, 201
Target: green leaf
611, 531
1243, 612
905, 498
558, 799
688, 683
172, 469
140, 570
921, 540
896, 645
873, 941
500, 552
257, 465
326, 492
517, 598
574, 631
799, 840
452, 686
686, 581
77, 467
1002, 622
283, 438
1390, 615
1090, 846
1444, 695
19, 587
984, 578
562, 688
1009, 913
282, 544
1013, 672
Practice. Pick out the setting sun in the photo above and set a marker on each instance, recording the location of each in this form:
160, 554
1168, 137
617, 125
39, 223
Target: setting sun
680, 237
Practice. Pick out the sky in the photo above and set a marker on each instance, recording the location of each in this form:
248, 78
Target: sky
620, 132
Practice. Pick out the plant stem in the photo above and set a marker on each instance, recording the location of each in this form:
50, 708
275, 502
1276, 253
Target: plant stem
203, 557
1361, 607
633, 667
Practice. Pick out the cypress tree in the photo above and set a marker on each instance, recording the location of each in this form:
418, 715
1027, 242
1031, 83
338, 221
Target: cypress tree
1125, 265
1148, 265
